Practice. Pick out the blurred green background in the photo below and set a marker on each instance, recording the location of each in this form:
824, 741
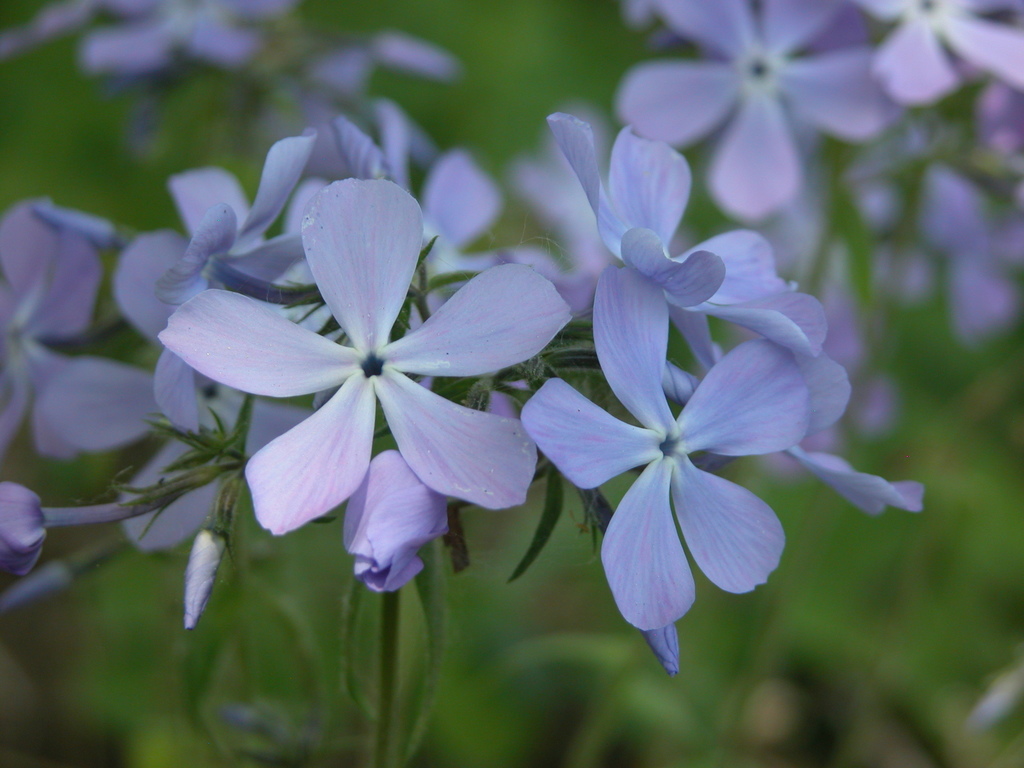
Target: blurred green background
868, 647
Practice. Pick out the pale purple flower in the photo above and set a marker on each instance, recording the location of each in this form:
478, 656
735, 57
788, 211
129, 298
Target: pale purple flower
869, 493
754, 80
913, 63
731, 276
362, 241
388, 518
51, 279
999, 117
753, 401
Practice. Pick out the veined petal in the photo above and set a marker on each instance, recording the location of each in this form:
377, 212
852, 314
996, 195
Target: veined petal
96, 404
754, 400
141, 264
664, 644
215, 235
749, 266
649, 184
686, 282
837, 92
315, 466
912, 66
677, 101
756, 168
643, 559
281, 171
459, 199
794, 320
362, 240
869, 493
197, 191
734, 537
694, 327
576, 140
726, 25
485, 459
242, 343
588, 445
631, 336
499, 318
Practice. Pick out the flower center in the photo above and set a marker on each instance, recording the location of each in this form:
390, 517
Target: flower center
372, 365
670, 445
758, 69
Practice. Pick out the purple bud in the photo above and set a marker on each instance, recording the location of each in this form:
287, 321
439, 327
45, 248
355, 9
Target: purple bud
203, 561
664, 643
21, 528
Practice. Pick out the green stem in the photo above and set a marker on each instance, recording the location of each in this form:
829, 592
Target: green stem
388, 667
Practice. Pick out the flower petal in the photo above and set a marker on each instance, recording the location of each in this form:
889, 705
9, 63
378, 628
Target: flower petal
315, 466
912, 66
485, 459
649, 183
998, 48
869, 493
411, 54
829, 388
362, 157
792, 24
65, 309
499, 318
836, 92
754, 400
631, 336
197, 191
242, 343
677, 101
27, 246
794, 320
686, 282
128, 49
174, 388
643, 559
726, 25
281, 171
756, 168
362, 240
734, 537
749, 266
664, 644
21, 528
459, 199
588, 445
141, 264
215, 235
576, 140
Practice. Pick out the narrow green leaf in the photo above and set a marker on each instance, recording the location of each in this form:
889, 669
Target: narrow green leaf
349, 660
552, 511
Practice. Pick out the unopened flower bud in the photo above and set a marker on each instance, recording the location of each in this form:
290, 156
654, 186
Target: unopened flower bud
21, 528
203, 561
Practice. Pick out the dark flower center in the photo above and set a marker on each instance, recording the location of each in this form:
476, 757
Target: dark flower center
669, 445
372, 365
927, 5
758, 68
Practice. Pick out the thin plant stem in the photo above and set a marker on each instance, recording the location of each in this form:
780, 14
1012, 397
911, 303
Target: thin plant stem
388, 667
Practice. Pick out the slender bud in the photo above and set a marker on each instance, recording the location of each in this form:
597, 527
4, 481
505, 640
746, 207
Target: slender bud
664, 643
203, 561
21, 528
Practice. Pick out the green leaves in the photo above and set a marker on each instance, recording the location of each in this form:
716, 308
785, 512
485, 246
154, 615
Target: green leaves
553, 499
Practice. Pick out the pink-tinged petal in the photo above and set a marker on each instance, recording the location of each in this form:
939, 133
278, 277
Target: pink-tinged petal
869, 493
998, 48
242, 343
499, 318
389, 517
643, 559
197, 191
410, 54
726, 25
312, 468
829, 388
754, 400
21, 528
734, 537
362, 240
837, 92
983, 300
792, 24
631, 336
271, 420
649, 184
27, 247
97, 404
576, 140
215, 235
912, 66
459, 199
141, 264
756, 168
67, 305
485, 459
749, 266
686, 282
174, 388
794, 320
677, 101
180, 519
130, 49
281, 171
588, 445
